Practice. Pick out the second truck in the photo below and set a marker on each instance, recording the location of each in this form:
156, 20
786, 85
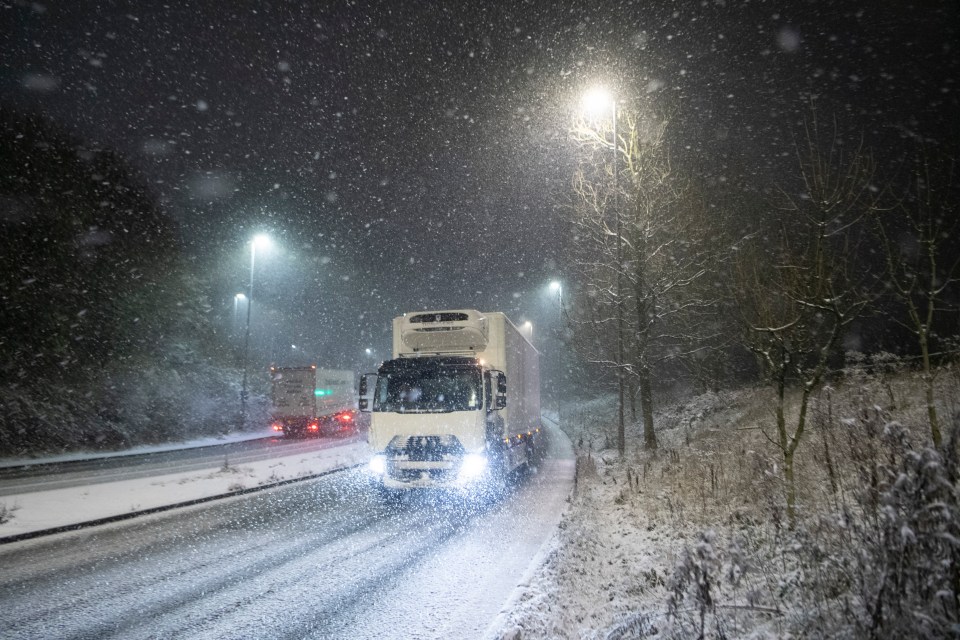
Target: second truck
309, 401
458, 405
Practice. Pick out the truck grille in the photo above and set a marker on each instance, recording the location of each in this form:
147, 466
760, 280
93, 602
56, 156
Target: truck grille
412, 475
426, 448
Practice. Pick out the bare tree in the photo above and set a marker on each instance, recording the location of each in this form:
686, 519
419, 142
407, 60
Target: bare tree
797, 303
641, 249
599, 314
918, 236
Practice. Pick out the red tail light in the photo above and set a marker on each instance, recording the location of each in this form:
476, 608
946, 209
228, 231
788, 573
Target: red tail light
344, 417
277, 427
313, 426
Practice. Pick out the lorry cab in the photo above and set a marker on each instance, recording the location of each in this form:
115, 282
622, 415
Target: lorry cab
439, 414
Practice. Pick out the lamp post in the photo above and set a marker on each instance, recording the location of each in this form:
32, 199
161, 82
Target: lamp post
264, 242
556, 287
237, 299
527, 329
599, 100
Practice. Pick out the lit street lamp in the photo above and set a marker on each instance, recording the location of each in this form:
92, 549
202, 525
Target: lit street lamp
237, 300
368, 360
556, 287
263, 242
597, 102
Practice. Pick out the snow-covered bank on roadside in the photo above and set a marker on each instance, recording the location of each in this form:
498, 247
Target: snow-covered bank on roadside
614, 549
41, 510
694, 542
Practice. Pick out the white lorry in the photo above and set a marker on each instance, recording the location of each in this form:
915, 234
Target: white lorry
311, 401
457, 407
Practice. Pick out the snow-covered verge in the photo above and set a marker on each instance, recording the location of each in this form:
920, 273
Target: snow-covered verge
693, 541
36, 511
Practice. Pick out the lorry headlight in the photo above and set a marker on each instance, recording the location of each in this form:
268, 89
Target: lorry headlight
472, 466
378, 464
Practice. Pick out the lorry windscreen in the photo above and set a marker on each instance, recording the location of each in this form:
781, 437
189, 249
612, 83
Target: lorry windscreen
429, 391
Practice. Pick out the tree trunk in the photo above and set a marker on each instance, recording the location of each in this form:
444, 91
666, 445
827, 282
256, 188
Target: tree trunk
788, 453
826, 426
791, 488
621, 431
646, 407
928, 382
787, 450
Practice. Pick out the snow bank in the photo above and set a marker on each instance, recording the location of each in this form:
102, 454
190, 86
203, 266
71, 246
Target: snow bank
41, 510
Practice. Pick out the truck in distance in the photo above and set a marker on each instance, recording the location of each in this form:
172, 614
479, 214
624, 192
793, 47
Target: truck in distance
310, 401
458, 405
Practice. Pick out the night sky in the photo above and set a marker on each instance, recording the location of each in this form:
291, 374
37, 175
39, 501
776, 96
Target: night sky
410, 155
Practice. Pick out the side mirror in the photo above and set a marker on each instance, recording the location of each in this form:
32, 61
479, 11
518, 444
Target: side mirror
487, 391
501, 400
365, 402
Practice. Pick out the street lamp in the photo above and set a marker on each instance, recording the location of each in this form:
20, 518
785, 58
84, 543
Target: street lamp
527, 329
263, 242
237, 300
556, 287
597, 102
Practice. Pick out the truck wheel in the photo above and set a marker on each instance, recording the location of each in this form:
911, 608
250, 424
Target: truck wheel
533, 457
496, 485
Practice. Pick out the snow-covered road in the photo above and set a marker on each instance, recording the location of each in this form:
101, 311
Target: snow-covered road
317, 559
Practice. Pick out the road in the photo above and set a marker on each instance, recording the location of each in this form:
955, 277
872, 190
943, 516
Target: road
318, 559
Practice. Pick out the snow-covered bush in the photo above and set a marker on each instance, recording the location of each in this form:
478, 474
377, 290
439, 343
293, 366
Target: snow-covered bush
52, 417
884, 563
908, 548
125, 407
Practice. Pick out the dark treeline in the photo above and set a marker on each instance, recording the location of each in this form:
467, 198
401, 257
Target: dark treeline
105, 340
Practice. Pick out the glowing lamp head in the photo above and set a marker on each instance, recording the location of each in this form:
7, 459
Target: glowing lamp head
597, 102
261, 241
